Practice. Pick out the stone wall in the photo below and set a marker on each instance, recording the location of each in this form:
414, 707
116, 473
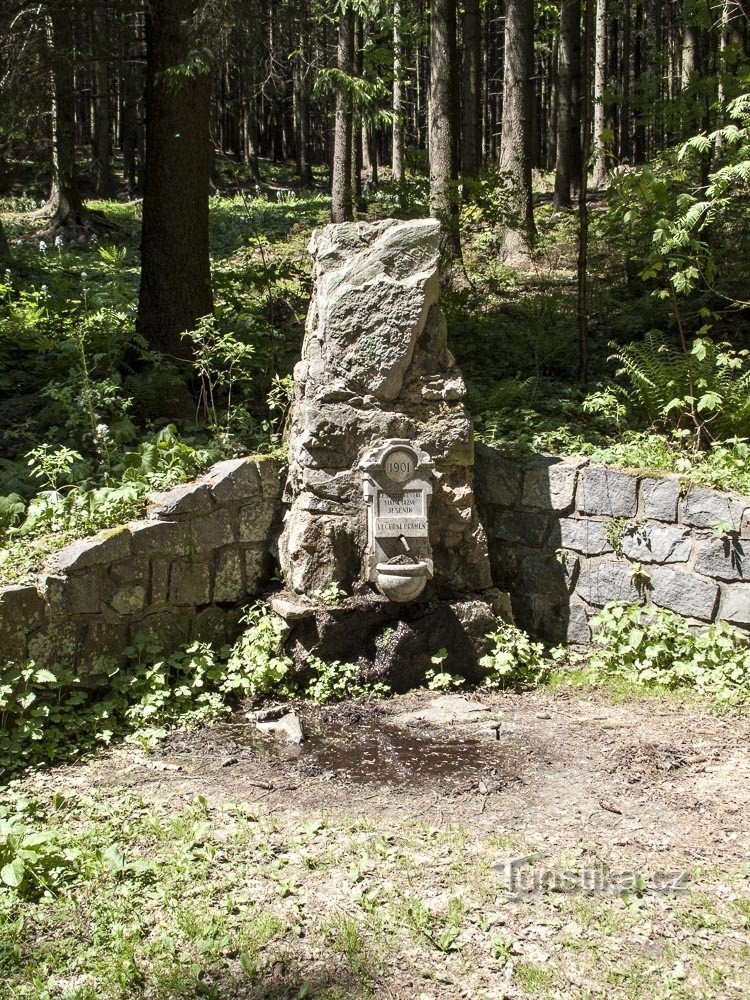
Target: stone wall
184, 572
566, 537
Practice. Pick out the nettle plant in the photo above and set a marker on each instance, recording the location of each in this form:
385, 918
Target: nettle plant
659, 648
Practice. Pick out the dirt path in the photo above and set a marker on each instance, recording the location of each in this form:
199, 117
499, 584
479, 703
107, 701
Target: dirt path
394, 825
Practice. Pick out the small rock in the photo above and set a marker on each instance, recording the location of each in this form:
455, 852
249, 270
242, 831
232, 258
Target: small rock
288, 725
543, 715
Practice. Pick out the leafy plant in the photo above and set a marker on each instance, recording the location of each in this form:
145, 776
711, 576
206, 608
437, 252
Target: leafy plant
513, 658
706, 389
657, 647
441, 680
257, 657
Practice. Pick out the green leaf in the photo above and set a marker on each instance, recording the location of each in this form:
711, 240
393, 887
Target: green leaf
12, 873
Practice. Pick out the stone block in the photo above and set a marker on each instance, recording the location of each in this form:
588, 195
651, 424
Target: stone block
684, 593
159, 589
132, 570
21, 609
170, 628
189, 583
607, 491
212, 531
210, 625
549, 483
602, 582
524, 527
102, 647
724, 557
544, 573
158, 537
660, 498
191, 498
257, 562
128, 600
234, 481
735, 606
703, 508
497, 480
582, 535
229, 584
272, 474
657, 543
106, 547
59, 644
79, 594
256, 520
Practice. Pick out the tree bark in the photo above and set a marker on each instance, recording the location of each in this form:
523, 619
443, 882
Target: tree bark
600, 84
175, 270
515, 141
105, 182
397, 154
471, 144
65, 204
444, 202
4, 246
341, 188
624, 139
568, 163
302, 95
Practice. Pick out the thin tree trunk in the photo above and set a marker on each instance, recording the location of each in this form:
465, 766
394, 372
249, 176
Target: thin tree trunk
444, 203
4, 246
105, 182
568, 165
639, 137
397, 155
302, 95
357, 157
341, 189
624, 139
175, 271
600, 83
471, 144
515, 142
65, 204
583, 211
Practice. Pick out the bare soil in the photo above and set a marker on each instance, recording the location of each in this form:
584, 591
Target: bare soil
417, 812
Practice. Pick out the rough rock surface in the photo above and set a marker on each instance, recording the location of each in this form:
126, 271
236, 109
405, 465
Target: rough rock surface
375, 365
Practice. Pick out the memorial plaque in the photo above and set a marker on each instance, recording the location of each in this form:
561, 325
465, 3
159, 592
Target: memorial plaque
397, 484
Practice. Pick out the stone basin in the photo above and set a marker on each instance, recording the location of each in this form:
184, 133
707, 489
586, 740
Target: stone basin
402, 582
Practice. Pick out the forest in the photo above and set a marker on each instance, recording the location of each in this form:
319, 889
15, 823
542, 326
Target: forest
568, 820
161, 167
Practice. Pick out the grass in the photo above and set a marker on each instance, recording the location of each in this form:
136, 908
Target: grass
163, 900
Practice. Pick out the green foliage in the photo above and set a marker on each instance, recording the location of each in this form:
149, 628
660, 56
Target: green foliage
659, 648
707, 389
513, 659
258, 657
33, 862
335, 681
439, 679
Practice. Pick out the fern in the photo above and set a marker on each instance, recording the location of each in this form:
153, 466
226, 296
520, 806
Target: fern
708, 388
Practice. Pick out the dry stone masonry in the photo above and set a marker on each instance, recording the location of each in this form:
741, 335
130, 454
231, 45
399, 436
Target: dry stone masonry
566, 537
182, 573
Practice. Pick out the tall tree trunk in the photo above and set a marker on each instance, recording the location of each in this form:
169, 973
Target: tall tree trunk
444, 203
600, 84
4, 247
175, 271
302, 95
341, 187
639, 137
624, 137
65, 204
397, 154
357, 157
471, 138
583, 210
515, 141
568, 165
105, 182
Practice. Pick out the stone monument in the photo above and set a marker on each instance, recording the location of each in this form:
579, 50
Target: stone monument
379, 494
